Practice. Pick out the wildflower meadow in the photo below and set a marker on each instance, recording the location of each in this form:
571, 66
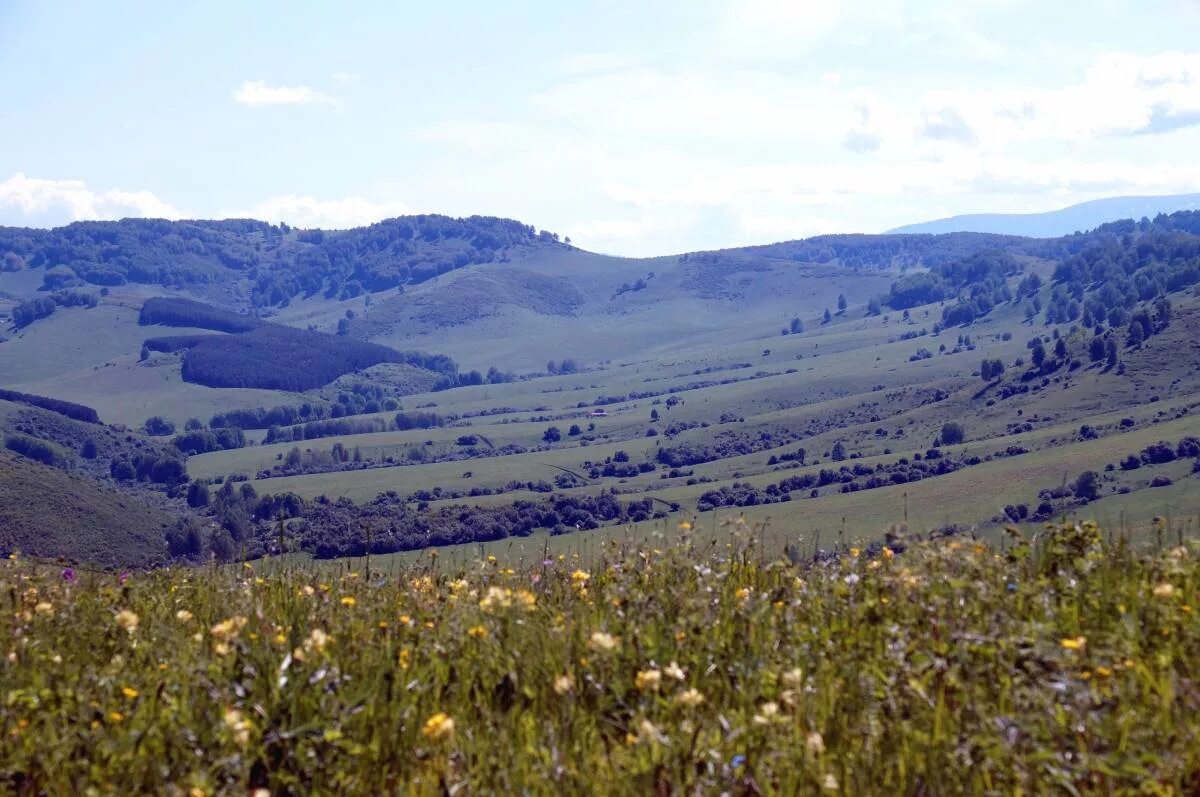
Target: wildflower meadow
1066, 664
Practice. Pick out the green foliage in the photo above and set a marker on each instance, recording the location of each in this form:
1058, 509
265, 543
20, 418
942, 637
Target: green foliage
157, 426
38, 450
280, 264
71, 410
952, 433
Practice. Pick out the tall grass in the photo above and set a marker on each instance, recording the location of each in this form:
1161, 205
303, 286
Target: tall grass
1069, 666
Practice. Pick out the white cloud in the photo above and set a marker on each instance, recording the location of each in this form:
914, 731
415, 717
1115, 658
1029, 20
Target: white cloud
58, 201
255, 93
329, 214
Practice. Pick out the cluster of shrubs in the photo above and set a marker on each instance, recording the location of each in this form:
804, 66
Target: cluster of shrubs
336, 528
1162, 452
201, 441
153, 467
722, 446
78, 412
334, 427
1087, 486
29, 311
38, 450
849, 479
331, 529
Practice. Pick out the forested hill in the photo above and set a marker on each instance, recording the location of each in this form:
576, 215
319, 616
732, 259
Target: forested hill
277, 261
262, 264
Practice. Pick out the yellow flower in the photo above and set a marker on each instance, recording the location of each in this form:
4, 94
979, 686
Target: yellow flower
183, 616
316, 642
477, 632
491, 560
127, 620
1103, 672
742, 594
767, 713
647, 732
349, 600
496, 597
563, 684
690, 698
888, 553
227, 630
648, 680
129, 692
855, 552
580, 576
116, 716
238, 725
1073, 643
404, 659
44, 608
1164, 590
685, 525
439, 726
602, 641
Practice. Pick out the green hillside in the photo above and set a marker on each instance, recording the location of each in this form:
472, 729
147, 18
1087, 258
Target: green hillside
551, 396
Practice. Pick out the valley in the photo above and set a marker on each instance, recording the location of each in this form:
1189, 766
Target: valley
547, 396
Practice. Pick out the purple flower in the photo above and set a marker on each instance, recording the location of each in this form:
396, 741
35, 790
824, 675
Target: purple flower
123, 578
68, 575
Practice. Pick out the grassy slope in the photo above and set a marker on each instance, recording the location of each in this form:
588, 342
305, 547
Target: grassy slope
47, 512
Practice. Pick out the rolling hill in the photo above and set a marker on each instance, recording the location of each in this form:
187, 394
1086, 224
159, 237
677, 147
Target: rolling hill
546, 391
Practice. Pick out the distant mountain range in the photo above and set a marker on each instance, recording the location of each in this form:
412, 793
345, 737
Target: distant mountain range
1084, 216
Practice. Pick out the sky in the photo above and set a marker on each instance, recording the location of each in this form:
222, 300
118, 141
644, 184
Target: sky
636, 128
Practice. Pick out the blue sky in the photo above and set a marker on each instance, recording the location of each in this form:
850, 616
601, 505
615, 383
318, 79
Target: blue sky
636, 128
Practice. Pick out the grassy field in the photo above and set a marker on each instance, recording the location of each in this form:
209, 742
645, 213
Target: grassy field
1067, 665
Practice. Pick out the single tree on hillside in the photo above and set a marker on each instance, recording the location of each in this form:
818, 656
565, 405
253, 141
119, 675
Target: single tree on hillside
1038, 354
157, 426
952, 433
841, 302
1087, 486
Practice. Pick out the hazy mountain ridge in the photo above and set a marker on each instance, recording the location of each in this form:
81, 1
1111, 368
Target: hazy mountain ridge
1052, 224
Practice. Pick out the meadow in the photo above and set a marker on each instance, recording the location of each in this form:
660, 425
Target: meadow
1060, 662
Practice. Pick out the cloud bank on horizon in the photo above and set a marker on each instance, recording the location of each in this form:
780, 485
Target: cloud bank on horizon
635, 131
